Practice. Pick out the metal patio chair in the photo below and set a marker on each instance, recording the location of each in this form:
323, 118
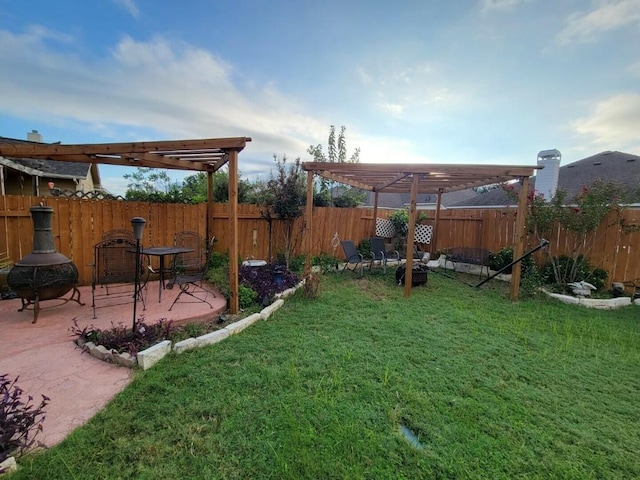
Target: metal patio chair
191, 282
352, 257
380, 254
114, 271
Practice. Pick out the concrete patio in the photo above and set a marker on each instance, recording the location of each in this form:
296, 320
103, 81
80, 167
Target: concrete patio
49, 363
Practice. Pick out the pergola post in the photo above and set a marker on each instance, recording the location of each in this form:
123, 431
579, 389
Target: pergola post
234, 301
520, 236
309, 223
209, 205
436, 225
375, 213
411, 235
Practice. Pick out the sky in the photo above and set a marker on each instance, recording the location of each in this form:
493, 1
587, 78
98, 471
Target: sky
429, 81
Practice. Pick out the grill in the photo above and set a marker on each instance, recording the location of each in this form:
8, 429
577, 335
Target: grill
44, 274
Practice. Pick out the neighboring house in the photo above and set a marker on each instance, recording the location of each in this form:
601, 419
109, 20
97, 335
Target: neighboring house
27, 176
424, 201
614, 167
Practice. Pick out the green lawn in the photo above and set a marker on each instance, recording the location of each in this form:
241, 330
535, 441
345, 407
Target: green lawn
491, 389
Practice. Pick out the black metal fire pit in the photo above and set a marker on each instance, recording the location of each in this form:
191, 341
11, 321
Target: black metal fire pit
44, 274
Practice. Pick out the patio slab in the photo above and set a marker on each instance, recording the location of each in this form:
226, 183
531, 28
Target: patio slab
49, 363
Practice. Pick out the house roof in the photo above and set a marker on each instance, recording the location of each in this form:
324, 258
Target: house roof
611, 166
39, 167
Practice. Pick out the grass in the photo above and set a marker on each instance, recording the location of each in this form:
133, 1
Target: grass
326, 388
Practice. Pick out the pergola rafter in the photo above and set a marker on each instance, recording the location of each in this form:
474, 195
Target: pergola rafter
423, 178
204, 155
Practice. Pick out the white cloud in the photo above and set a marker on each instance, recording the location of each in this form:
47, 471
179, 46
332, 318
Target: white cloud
412, 91
490, 5
614, 123
130, 6
606, 15
175, 89
365, 78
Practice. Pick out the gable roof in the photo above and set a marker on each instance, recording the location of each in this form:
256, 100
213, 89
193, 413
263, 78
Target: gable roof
609, 166
38, 167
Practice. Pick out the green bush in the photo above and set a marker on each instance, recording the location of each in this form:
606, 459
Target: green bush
504, 257
577, 270
364, 248
297, 263
247, 296
326, 262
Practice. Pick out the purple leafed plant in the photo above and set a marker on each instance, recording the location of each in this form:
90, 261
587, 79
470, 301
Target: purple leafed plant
268, 280
124, 339
20, 419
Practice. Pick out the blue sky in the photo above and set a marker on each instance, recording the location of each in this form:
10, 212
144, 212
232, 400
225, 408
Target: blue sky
477, 81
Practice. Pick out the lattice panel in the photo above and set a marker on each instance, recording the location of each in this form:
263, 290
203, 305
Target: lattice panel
423, 233
384, 228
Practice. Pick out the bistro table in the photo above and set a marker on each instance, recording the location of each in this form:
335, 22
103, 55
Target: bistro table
162, 252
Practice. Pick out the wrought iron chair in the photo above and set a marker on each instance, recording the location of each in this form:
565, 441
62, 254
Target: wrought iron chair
191, 281
190, 262
114, 270
352, 257
380, 254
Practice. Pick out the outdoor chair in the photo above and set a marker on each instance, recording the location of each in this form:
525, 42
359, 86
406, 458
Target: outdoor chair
191, 282
114, 273
352, 257
190, 262
380, 254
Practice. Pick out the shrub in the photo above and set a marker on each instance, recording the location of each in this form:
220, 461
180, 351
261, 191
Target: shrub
326, 263
573, 270
124, 339
364, 248
20, 420
504, 257
247, 296
296, 264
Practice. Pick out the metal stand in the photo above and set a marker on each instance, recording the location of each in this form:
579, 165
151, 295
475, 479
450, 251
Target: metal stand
36, 303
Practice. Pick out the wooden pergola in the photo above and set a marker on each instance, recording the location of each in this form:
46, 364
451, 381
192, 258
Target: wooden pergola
422, 178
204, 155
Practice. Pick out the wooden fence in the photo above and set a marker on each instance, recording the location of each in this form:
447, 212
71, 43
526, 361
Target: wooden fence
78, 225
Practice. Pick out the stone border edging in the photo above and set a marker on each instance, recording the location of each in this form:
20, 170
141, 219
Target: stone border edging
152, 355
599, 303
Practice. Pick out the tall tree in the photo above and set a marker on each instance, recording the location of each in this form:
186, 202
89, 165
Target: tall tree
329, 194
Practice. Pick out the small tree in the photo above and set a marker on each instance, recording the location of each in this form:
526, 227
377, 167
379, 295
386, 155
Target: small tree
581, 217
283, 197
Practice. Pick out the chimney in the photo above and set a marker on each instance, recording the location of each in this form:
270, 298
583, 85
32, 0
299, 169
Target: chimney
34, 136
547, 178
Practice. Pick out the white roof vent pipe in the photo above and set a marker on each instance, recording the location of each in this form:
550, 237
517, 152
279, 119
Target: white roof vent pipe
547, 178
34, 136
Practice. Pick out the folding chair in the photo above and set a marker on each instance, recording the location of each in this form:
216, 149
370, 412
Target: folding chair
192, 283
380, 254
351, 256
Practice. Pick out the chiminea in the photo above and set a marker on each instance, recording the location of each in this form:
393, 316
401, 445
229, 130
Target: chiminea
44, 274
